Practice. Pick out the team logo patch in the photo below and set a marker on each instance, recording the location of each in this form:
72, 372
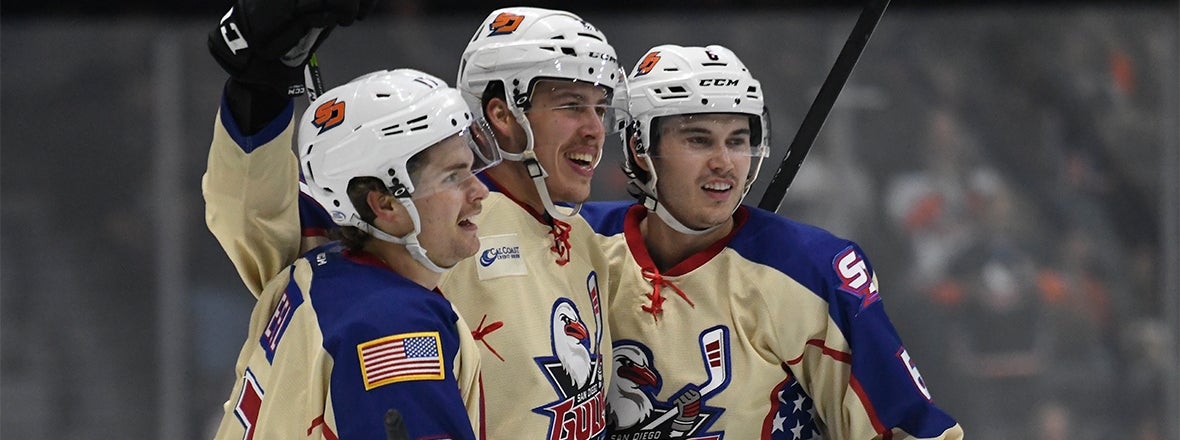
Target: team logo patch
500, 256
400, 358
649, 62
633, 412
505, 24
328, 115
279, 319
575, 371
855, 277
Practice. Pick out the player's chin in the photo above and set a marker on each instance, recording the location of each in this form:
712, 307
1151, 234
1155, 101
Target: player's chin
571, 191
470, 245
714, 215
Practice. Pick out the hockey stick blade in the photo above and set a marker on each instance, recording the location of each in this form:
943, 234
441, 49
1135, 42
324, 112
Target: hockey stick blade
813, 121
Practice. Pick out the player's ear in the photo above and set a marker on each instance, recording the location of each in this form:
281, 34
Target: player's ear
499, 115
509, 133
390, 214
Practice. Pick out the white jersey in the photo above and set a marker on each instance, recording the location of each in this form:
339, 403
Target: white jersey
775, 331
533, 296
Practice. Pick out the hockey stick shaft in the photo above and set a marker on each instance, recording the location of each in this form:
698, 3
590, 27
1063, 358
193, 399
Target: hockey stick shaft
313, 82
813, 121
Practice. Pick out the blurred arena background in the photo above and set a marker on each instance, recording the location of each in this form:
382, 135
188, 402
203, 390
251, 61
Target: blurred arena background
1012, 169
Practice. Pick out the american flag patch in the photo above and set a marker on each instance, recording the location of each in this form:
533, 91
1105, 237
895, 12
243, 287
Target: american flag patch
399, 358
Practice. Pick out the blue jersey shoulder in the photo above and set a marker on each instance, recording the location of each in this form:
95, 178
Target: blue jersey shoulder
393, 343
313, 218
355, 298
823, 262
606, 218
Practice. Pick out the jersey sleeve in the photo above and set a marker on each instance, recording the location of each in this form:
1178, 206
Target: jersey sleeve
406, 362
251, 196
864, 382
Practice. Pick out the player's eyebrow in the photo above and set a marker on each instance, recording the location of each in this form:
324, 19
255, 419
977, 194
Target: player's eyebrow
579, 96
694, 130
457, 166
702, 130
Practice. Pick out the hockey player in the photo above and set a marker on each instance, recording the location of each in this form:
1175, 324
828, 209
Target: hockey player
730, 321
356, 328
312, 365
545, 81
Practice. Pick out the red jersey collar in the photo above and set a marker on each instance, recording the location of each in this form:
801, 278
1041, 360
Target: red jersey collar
638, 248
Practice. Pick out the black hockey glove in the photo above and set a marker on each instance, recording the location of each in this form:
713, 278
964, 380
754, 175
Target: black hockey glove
268, 42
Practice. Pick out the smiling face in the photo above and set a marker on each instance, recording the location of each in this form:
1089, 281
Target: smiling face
702, 163
568, 134
447, 196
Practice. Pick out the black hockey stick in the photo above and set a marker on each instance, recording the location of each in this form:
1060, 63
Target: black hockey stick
312, 80
818, 113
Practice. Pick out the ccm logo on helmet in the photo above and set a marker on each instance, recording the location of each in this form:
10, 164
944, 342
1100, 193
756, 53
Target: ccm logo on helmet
718, 82
328, 115
649, 62
505, 23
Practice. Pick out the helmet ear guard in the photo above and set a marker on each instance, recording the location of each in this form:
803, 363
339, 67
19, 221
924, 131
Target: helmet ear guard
673, 80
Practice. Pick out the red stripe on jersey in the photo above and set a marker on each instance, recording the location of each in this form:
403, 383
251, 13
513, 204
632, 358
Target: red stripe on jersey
886, 434
774, 406
483, 415
831, 352
319, 421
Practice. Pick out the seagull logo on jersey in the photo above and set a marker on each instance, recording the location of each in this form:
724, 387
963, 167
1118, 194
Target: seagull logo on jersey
633, 412
328, 115
505, 24
792, 414
649, 62
575, 371
855, 276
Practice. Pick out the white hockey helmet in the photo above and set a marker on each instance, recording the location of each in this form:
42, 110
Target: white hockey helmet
518, 46
673, 80
372, 127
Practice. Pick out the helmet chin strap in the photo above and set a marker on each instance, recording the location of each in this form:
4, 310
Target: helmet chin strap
649, 198
410, 240
536, 171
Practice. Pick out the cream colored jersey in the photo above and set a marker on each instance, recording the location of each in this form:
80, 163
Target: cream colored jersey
534, 290
776, 331
253, 208
338, 340
251, 189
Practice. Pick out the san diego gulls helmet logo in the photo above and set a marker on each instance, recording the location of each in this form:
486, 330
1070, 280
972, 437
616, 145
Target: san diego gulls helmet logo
649, 62
505, 24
